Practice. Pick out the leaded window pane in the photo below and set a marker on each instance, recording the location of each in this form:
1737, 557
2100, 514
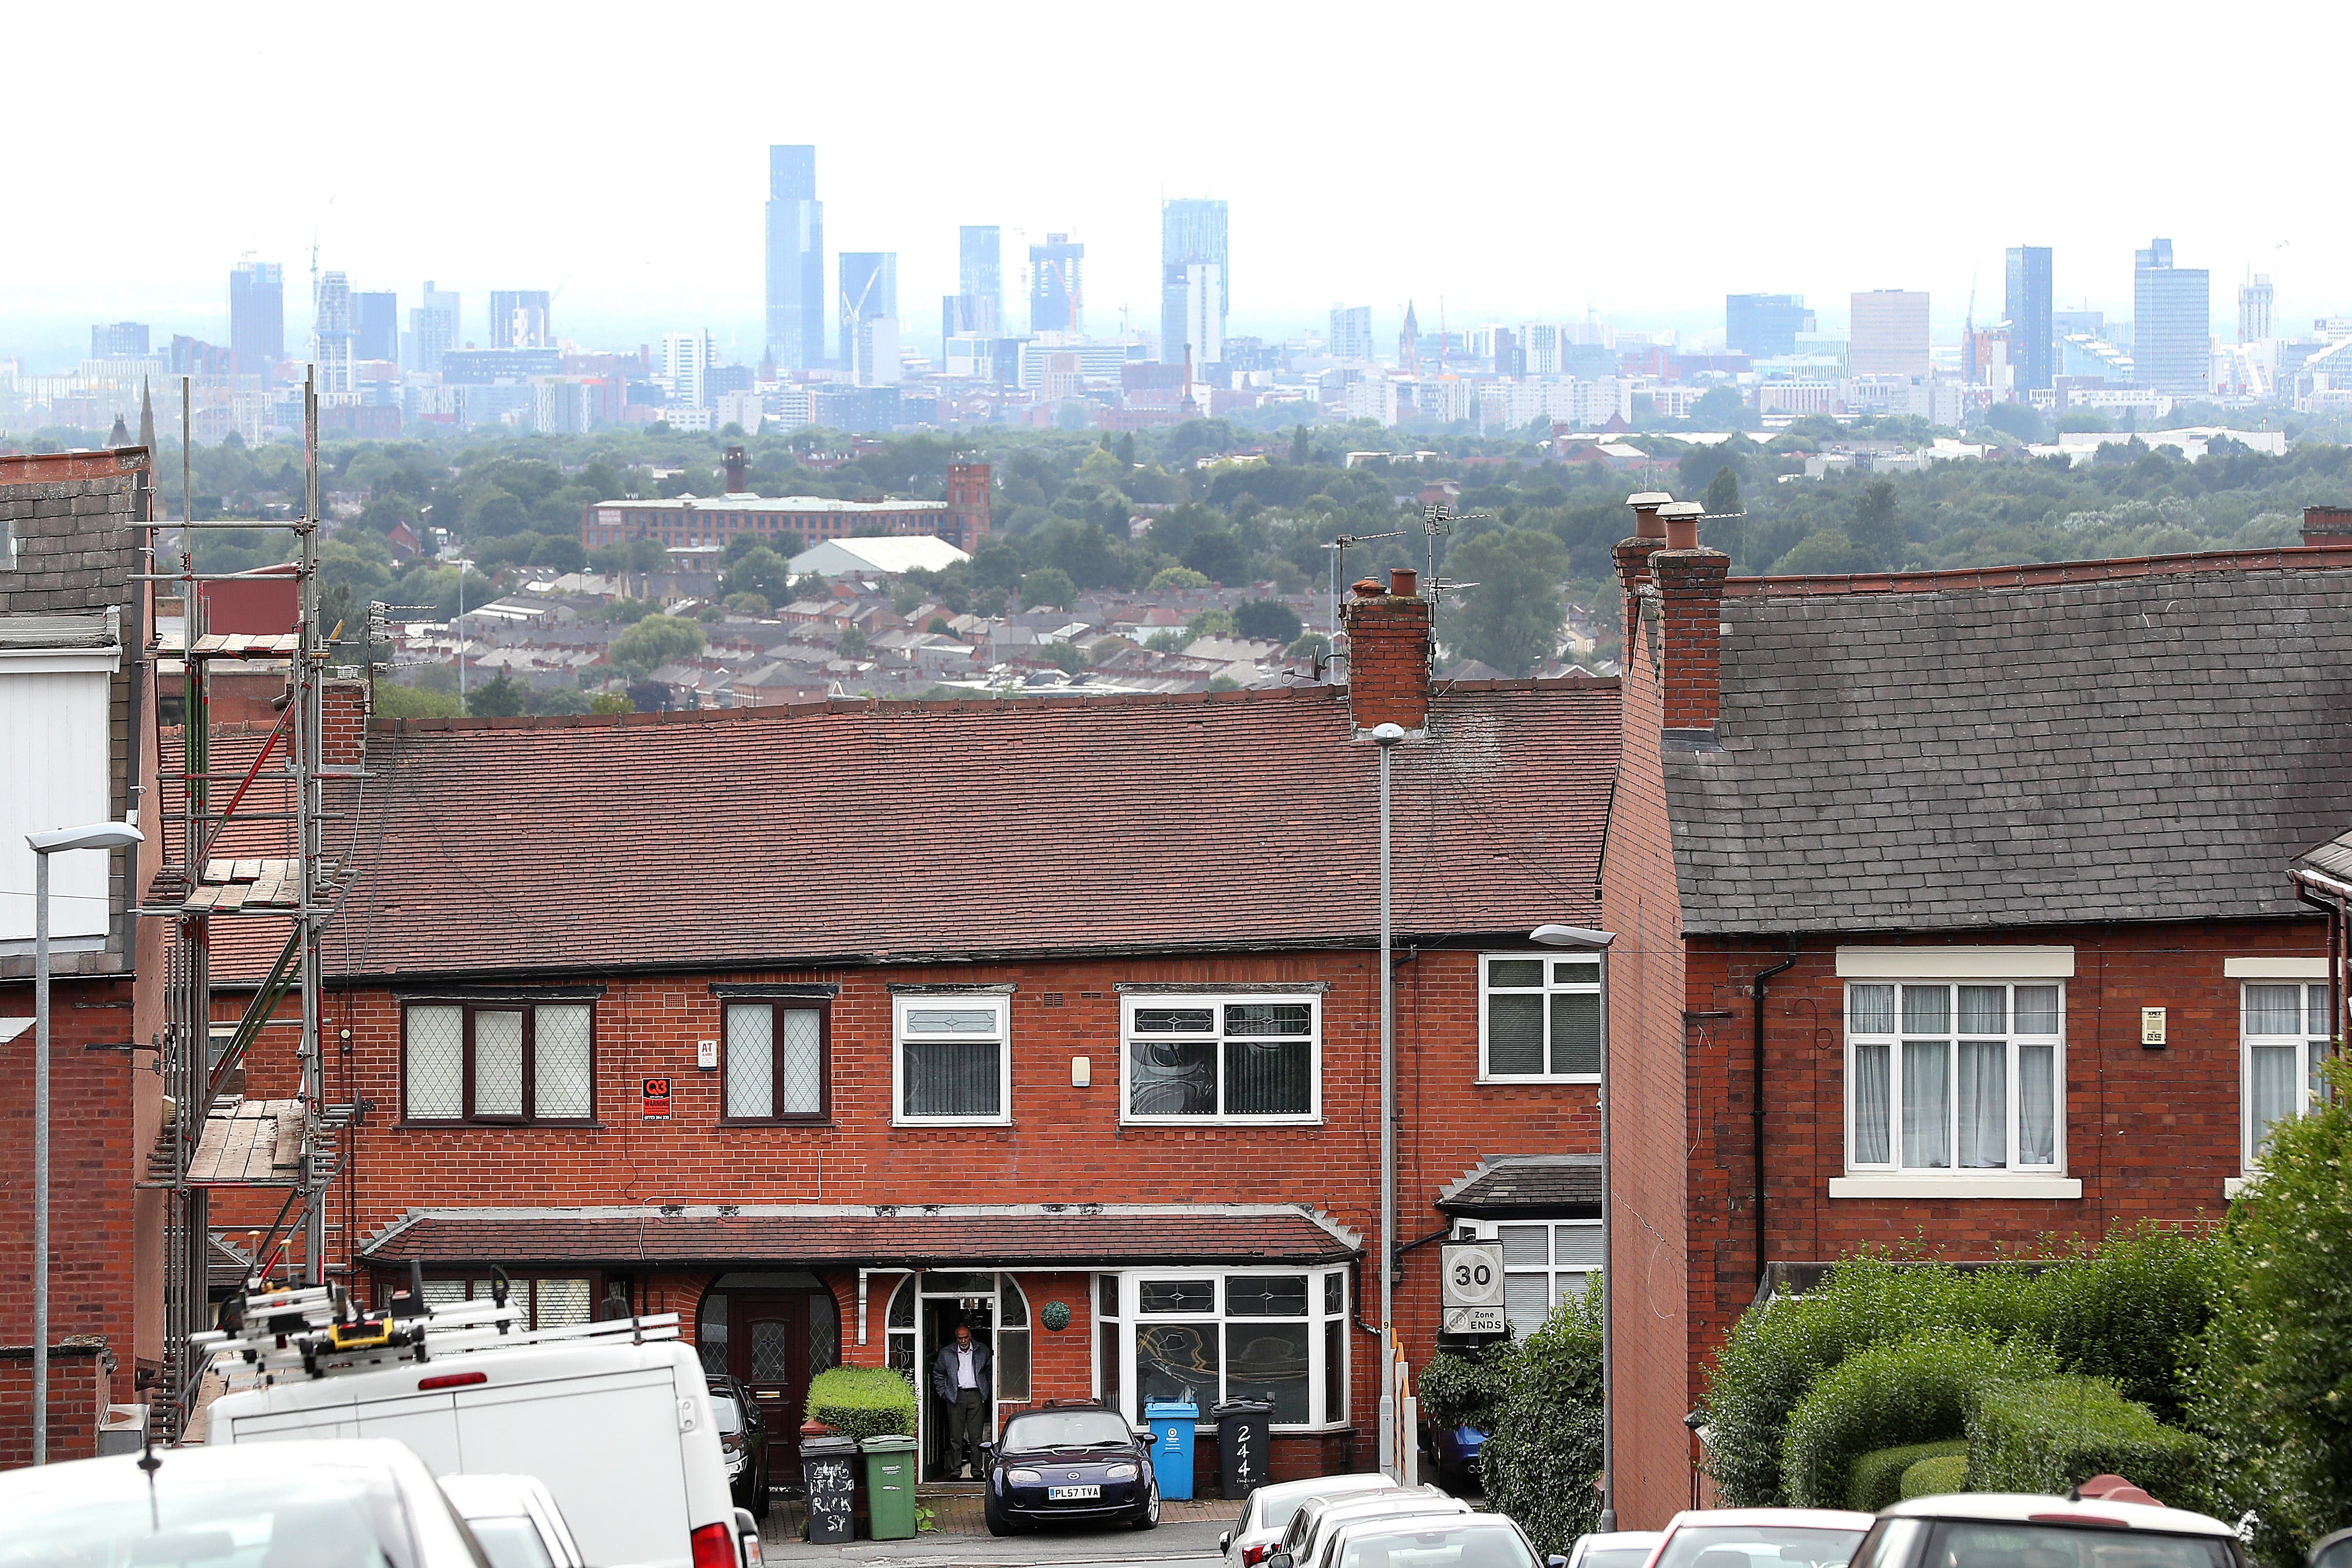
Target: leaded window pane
951, 1021
1175, 1020
1576, 1033
803, 1064
823, 1334
771, 1350
1269, 1018
1515, 1034
562, 1063
436, 1058
1265, 1295
1335, 1292
751, 1062
497, 1063
559, 1304
1176, 1296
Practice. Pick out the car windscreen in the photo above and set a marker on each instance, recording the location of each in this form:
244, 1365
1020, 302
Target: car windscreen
510, 1543
320, 1517
1460, 1542
1276, 1512
1064, 1429
730, 1413
1758, 1546
1616, 1557
1986, 1543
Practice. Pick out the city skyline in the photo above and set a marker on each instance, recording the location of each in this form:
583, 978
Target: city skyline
385, 212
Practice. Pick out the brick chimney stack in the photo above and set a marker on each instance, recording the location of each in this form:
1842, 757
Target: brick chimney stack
1690, 600
1388, 652
737, 472
342, 725
2327, 524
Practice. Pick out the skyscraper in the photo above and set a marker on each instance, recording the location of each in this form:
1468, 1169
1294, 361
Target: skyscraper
257, 317
1351, 333
2254, 309
2172, 339
519, 318
686, 360
1764, 326
2033, 345
330, 332
375, 326
118, 340
869, 316
1057, 294
1889, 329
796, 307
432, 327
1192, 236
980, 264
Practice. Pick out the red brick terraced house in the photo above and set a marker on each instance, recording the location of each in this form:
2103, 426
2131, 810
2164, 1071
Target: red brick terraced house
1984, 885
831, 1026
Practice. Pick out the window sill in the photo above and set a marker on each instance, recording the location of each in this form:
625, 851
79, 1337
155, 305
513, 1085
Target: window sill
929, 1125
774, 1122
452, 1125
2233, 1185
1535, 1080
1990, 1186
1199, 1122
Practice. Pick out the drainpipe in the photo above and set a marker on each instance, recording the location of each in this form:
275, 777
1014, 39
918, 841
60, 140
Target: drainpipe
1756, 1096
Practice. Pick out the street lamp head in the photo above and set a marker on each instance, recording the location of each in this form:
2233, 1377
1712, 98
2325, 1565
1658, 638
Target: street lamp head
96, 836
1570, 937
1386, 734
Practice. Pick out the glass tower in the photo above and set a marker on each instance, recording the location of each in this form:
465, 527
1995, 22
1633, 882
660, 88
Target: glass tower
796, 306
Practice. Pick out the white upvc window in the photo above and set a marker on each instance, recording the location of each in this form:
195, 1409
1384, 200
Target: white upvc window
2286, 1037
1965, 1079
953, 1062
1193, 1057
1540, 1016
1545, 1262
1210, 1336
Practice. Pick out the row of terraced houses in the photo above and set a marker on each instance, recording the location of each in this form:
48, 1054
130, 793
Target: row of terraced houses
1950, 904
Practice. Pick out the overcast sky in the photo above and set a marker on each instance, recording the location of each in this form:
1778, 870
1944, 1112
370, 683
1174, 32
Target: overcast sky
1514, 160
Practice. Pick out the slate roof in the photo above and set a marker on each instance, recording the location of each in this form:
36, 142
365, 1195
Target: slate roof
1504, 1185
1005, 1236
2151, 740
856, 834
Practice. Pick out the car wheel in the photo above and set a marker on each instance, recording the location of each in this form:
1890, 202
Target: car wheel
1149, 1514
994, 1514
760, 1491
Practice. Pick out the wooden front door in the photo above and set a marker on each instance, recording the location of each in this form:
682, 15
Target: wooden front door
777, 1345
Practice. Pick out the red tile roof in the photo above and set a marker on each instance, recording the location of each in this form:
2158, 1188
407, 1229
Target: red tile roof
918, 1236
858, 834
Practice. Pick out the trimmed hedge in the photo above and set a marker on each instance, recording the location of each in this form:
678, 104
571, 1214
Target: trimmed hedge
1878, 1476
2045, 1437
1908, 1391
1937, 1477
1459, 1389
863, 1401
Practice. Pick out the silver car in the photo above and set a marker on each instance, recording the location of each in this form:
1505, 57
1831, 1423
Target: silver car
515, 1520
1312, 1525
1271, 1508
336, 1502
1428, 1540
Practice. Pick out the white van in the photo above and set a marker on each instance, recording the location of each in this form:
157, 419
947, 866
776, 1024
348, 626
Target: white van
615, 1417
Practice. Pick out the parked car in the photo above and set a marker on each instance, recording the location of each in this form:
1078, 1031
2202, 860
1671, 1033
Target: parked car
1426, 1541
1078, 1461
1618, 1549
341, 1502
1761, 1538
2081, 1531
1312, 1525
2332, 1552
743, 1440
1269, 1512
1454, 1453
515, 1520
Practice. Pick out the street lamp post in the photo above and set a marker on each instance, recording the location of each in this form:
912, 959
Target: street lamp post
97, 836
1599, 942
1385, 737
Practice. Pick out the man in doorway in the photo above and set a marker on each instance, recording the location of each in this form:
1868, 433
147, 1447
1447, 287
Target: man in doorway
964, 1382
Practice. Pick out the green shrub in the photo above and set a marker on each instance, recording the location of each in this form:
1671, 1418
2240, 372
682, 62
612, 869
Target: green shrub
1467, 1390
1543, 1453
2045, 1437
1877, 1476
1905, 1391
2131, 1310
863, 1401
2274, 1387
1936, 1476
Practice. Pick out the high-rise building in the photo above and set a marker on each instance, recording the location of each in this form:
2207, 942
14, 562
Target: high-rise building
685, 364
1764, 326
967, 316
1888, 333
1058, 293
1192, 236
1351, 333
796, 306
2032, 343
432, 328
375, 326
2172, 338
2254, 309
118, 340
519, 318
330, 332
980, 264
257, 317
869, 293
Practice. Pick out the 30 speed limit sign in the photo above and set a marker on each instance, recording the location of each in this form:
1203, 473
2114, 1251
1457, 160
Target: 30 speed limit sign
1473, 1292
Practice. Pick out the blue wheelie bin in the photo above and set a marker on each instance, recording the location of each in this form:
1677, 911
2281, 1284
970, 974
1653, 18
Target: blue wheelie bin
1172, 1444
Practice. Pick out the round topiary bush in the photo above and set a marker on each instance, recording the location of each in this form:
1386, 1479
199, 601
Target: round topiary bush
1938, 1476
1908, 1391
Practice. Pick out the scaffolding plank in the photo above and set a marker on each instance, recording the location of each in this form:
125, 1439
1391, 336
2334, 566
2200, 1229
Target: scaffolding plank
246, 870
202, 898
232, 896
217, 871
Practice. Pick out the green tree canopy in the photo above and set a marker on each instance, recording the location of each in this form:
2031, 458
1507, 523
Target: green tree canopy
1723, 492
1218, 556
1512, 618
501, 697
1876, 531
761, 571
1048, 586
654, 641
1266, 620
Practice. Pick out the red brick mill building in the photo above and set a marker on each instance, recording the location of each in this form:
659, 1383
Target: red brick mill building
829, 1027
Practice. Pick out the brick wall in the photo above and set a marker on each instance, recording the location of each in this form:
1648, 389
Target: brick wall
2150, 1134
80, 1373
1642, 904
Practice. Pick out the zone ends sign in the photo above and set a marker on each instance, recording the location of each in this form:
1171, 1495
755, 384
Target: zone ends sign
1472, 1295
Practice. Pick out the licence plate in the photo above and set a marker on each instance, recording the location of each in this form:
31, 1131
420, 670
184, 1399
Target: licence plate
1071, 1494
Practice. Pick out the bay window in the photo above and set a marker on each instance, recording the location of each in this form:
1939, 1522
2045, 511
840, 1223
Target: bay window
1955, 1078
1179, 1335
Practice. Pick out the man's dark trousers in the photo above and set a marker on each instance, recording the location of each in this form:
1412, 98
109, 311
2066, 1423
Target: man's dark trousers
967, 1430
